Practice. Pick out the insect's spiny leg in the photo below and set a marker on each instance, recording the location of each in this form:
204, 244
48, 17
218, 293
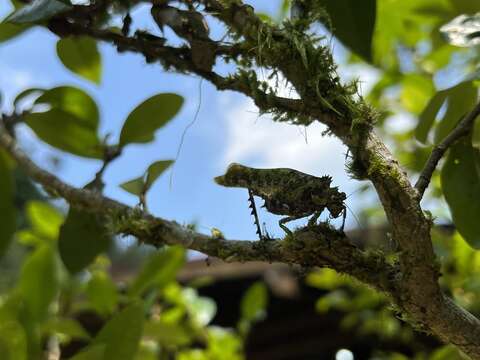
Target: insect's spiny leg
254, 213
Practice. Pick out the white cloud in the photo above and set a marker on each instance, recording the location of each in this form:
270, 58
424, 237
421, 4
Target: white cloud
13, 81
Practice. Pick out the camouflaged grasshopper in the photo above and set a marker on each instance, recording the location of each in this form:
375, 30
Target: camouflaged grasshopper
287, 192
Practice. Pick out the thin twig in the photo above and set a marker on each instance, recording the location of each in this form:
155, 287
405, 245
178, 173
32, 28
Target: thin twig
462, 129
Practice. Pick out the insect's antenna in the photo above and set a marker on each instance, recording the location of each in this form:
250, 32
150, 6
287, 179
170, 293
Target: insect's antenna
354, 216
353, 193
251, 200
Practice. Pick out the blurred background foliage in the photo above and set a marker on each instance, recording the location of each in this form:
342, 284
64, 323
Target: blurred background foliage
56, 266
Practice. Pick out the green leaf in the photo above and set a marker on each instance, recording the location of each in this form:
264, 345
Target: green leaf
65, 326
463, 30
39, 281
168, 334
460, 179
201, 309
254, 302
75, 101
155, 170
92, 352
122, 333
148, 117
82, 238
353, 23
139, 186
66, 132
38, 10
13, 342
44, 219
428, 116
284, 8
102, 293
8, 212
71, 124
13, 337
461, 99
416, 91
135, 186
25, 93
9, 31
160, 269
81, 56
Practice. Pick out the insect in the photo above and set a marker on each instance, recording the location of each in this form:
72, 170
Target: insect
287, 192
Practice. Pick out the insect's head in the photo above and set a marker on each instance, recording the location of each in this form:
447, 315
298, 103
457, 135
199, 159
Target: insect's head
236, 176
335, 203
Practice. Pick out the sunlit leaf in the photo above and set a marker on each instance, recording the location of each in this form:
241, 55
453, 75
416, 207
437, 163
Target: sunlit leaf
102, 293
66, 132
464, 30
461, 100
122, 333
284, 8
65, 326
428, 116
201, 309
71, 123
254, 302
168, 334
159, 270
44, 219
416, 91
148, 117
38, 10
13, 338
353, 23
9, 31
155, 170
142, 184
446, 352
75, 101
13, 344
223, 343
460, 178
82, 238
135, 186
39, 281
93, 352
81, 56
8, 212
26, 93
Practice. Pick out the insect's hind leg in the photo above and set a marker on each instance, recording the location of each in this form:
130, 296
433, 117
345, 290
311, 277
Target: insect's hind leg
283, 221
314, 218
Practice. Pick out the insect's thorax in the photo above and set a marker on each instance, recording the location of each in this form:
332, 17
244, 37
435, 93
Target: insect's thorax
293, 195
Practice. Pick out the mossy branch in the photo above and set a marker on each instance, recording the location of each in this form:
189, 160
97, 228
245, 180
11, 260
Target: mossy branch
320, 246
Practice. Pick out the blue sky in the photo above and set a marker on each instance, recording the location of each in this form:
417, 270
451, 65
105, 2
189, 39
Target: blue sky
228, 129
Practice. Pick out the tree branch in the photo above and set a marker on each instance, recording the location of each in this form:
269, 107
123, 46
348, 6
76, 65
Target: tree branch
462, 129
309, 247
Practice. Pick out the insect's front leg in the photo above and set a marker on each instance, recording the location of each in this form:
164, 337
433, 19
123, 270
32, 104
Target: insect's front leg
344, 217
287, 219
